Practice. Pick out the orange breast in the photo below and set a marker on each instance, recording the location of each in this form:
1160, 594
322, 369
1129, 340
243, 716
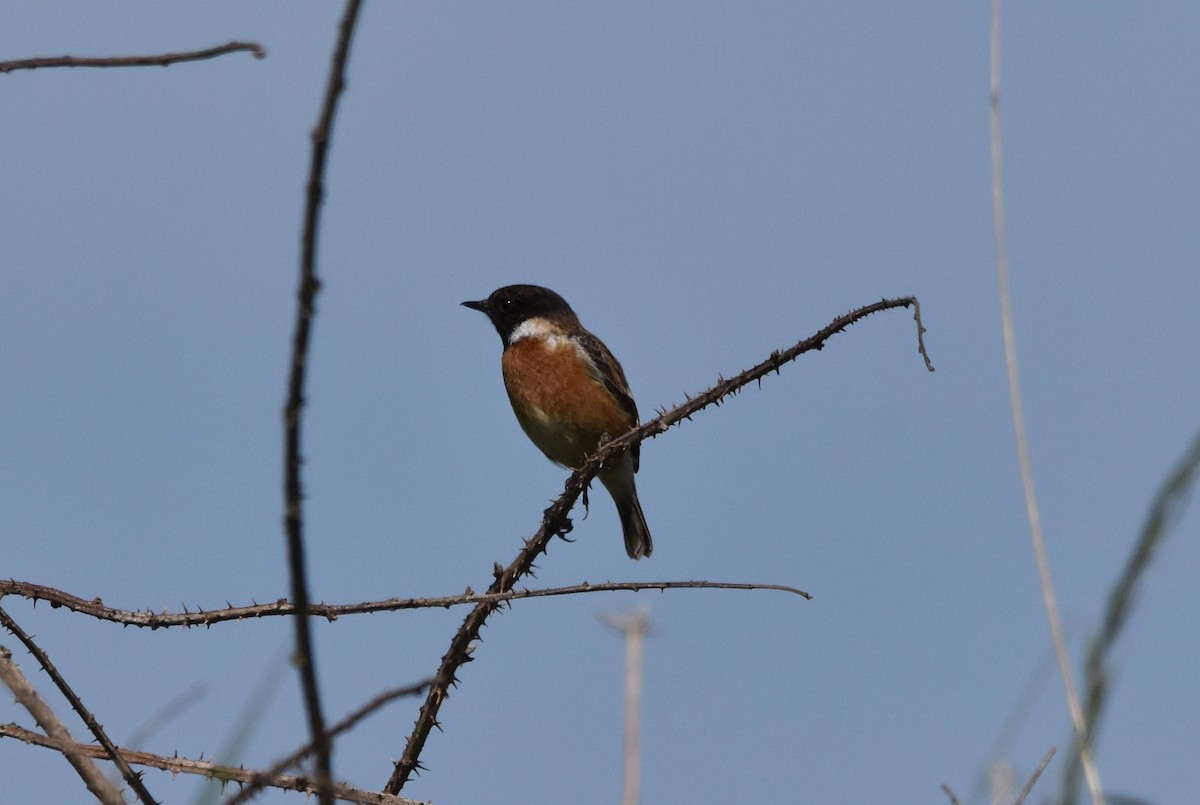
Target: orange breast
563, 408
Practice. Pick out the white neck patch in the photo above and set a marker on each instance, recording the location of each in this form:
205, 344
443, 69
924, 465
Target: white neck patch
536, 328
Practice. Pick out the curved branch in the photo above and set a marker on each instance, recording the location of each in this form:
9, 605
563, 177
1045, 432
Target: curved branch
163, 620
293, 412
161, 60
1024, 463
555, 521
1168, 505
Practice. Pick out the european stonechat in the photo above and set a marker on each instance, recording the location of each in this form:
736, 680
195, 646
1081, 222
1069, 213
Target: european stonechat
568, 392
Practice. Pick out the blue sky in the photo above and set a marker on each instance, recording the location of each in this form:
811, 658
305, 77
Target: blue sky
704, 182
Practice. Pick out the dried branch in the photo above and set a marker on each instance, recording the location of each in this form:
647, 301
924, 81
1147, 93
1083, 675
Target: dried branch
1036, 774
213, 771
162, 60
160, 620
134, 780
1037, 539
293, 412
263, 779
100, 786
555, 520
1024, 792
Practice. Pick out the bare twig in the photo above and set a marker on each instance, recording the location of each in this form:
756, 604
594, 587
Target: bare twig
213, 771
1036, 774
96, 782
161, 60
953, 799
293, 413
263, 779
134, 780
1168, 505
555, 520
200, 617
1049, 600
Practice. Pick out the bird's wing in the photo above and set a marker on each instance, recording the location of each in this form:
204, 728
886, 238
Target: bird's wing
608, 371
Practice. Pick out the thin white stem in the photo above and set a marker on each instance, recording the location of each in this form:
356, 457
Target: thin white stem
1014, 392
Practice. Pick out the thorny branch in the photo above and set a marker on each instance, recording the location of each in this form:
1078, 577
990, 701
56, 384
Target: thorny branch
206, 618
204, 768
293, 412
107, 748
261, 780
251, 781
555, 520
161, 60
103, 789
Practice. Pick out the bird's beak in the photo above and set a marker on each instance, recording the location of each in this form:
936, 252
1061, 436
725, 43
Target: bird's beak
481, 306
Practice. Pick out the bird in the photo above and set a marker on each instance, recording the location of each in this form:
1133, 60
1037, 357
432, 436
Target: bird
568, 392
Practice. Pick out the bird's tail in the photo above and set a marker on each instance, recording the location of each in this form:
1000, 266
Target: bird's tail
619, 483
637, 534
